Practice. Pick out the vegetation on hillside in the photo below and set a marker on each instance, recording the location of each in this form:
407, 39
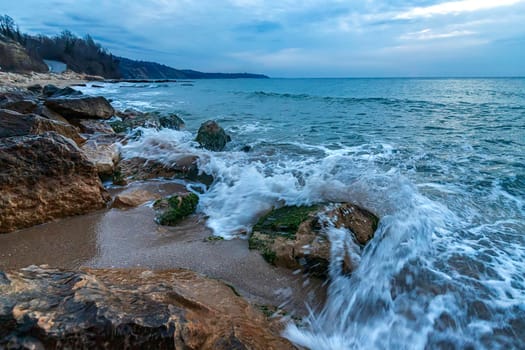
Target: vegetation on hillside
84, 55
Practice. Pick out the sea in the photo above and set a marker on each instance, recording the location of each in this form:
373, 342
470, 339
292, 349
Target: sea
440, 161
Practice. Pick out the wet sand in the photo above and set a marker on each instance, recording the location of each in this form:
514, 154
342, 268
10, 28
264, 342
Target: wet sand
131, 238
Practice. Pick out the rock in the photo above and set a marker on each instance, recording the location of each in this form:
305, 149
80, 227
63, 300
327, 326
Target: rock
132, 309
54, 91
49, 114
45, 177
174, 209
133, 198
81, 108
211, 136
104, 153
16, 124
18, 102
292, 237
185, 167
92, 126
130, 119
36, 88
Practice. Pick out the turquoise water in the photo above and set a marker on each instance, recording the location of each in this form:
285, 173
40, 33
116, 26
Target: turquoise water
441, 161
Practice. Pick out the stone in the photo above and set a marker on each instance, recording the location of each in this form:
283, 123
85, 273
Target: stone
183, 167
293, 237
45, 177
54, 91
176, 208
36, 88
18, 102
16, 124
133, 198
212, 137
49, 114
47, 308
81, 107
104, 153
130, 119
93, 126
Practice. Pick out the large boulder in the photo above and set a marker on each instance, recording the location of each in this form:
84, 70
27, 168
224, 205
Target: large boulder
42, 308
82, 107
211, 136
45, 177
294, 237
16, 124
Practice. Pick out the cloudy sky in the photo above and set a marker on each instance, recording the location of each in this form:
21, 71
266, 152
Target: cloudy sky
309, 38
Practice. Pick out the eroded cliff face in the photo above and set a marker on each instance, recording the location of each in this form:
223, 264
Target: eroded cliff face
14, 58
137, 309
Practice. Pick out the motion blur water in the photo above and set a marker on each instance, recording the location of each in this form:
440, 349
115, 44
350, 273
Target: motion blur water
441, 161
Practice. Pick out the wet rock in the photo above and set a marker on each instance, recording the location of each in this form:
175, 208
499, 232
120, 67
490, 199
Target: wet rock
81, 108
293, 237
133, 198
16, 124
174, 209
183, 167
130, 119
45, 177
211, 136
135, 309
103, 152
54, 91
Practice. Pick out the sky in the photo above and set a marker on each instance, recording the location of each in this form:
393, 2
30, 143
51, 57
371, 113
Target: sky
309, 38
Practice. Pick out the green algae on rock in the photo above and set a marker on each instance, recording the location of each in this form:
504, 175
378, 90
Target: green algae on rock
293, 237
176, 208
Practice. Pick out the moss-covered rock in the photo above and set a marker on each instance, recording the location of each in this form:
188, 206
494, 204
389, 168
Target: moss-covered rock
131, 119
211, 136
176, 208
292, 236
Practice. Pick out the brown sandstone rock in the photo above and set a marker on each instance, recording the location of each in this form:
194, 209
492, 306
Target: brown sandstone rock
16, 124
133, 198
45, 177
104, 153
135, 309
92, 126
82, 107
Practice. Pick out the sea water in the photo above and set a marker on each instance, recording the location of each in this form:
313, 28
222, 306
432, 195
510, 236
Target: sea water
440, 161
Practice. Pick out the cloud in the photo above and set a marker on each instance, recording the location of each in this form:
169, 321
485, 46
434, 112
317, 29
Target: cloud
429, 34
454, 7
290, 38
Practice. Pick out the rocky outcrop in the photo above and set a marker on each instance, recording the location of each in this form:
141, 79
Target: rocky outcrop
293, 237
18, 102
14, 58
45, 177
135, 309
16, 124
211, 136
81, 108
